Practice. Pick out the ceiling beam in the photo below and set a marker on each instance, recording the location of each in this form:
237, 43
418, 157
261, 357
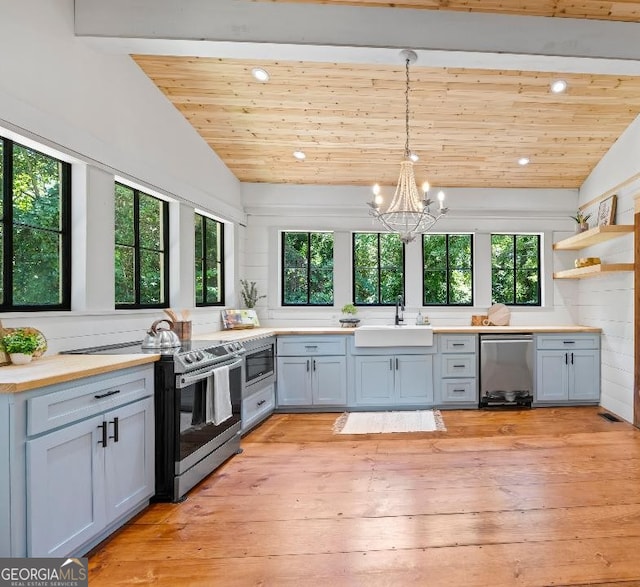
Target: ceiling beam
361, 34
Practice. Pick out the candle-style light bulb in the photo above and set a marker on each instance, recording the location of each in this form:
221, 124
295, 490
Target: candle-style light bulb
425, 187
376, 193
441, 199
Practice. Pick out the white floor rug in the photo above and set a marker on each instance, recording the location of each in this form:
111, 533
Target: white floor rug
381, 422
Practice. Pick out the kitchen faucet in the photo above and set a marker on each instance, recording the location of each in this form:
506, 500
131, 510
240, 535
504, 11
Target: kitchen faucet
400, 306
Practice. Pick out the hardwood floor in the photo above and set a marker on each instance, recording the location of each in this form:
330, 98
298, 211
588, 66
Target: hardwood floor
502, 498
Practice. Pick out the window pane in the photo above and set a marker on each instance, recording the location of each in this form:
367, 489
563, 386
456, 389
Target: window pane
435, 287
151, 222
391, 251
125, 230
125, 275
502, 286
460, 287
435, 251
2, 300
36, 267
213, 281
1, 179
390, 285
199, 281
366, 286
199, 242
321, 286
151, 284
527, 287
36, 189
295, 286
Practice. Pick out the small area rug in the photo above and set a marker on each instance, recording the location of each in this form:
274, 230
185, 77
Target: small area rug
383, 422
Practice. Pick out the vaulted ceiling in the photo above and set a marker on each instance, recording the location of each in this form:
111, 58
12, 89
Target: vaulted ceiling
470, 123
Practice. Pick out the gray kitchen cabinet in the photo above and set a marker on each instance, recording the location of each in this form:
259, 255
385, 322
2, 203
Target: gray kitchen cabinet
311, 371
63, 490
393, 380
568, 369
457, 383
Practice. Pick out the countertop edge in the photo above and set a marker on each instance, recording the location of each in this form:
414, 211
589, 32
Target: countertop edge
63, 368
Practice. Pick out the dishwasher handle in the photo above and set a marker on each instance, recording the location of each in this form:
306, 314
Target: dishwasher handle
493, 338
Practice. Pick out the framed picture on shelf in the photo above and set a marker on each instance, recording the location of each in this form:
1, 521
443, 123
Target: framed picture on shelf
607, 211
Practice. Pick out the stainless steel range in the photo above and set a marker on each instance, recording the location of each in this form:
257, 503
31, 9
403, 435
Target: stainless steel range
198, 398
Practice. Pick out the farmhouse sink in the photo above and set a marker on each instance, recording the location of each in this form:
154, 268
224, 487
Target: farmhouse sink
389, 335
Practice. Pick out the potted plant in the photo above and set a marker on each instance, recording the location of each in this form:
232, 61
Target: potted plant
582, 221
249, 293
20, 345
349, 320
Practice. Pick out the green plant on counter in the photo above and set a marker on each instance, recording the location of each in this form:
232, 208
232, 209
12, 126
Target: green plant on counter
20, 341
249, 293
349, 309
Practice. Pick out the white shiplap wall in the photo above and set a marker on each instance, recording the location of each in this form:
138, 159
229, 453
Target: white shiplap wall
607, 301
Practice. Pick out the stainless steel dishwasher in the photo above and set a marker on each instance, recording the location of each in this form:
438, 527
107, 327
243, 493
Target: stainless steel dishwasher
506, 370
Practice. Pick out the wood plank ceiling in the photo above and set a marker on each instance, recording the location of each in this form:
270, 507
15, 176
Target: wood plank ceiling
469, 127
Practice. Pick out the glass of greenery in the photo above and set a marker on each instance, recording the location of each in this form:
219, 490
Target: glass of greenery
20, 345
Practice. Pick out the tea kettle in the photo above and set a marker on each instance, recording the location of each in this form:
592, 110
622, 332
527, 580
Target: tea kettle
161, 338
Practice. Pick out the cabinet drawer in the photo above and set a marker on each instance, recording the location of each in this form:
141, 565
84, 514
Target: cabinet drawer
455, 343
258, 405
296, 346
568, 342
458, 365
459, 390
86, 398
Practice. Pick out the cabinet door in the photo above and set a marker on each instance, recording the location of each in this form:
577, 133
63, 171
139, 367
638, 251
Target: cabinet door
584, 375
414, 379
329, 380
294, 381
129, 458
552, 381
374, 377
65, 489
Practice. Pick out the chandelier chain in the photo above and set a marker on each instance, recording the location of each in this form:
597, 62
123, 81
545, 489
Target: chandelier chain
406, 103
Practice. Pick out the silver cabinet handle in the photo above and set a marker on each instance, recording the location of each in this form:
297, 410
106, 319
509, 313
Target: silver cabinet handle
262, 402
568, 342
397, 364
314, 364
458, 366
307, 365
390, 364
457, 344
458, 390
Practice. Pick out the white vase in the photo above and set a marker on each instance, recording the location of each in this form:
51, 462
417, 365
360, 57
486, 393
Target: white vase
20, 358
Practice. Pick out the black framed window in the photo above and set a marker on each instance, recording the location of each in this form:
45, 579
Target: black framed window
142, 249
447, 264
209, 261
515, 269
35, 230
307, 268
378, 268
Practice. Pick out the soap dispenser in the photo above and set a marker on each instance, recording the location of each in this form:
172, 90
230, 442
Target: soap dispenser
419, 319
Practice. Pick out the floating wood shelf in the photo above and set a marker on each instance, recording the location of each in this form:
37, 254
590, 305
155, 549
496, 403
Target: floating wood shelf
592, 271
593, 236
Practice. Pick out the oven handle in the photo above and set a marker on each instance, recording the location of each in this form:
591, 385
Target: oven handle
186, 380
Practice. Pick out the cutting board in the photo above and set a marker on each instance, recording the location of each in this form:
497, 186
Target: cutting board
499, 315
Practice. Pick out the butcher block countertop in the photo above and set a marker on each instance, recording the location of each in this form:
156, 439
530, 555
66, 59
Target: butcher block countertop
61, 368
54, 369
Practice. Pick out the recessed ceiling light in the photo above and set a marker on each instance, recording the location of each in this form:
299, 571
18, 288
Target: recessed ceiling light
262, 75
523, 161
414, 157
299, 155
558, 86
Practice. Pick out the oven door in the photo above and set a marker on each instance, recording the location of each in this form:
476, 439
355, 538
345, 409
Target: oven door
259, 364
199, 435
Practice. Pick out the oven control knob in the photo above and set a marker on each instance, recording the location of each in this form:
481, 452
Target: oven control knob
238, 346
187, 358
199, 355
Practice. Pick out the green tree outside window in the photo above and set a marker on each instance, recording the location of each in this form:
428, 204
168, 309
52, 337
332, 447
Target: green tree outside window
378, 268
141, 249
35, 196
448, 269
515, 269
307, 268
209, 261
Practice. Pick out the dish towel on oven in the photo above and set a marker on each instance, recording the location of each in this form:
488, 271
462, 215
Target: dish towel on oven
218, 396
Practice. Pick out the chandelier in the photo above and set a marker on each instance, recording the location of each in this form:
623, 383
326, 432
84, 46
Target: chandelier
409, 213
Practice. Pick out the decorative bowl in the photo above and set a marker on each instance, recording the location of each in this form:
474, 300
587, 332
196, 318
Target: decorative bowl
586, 262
